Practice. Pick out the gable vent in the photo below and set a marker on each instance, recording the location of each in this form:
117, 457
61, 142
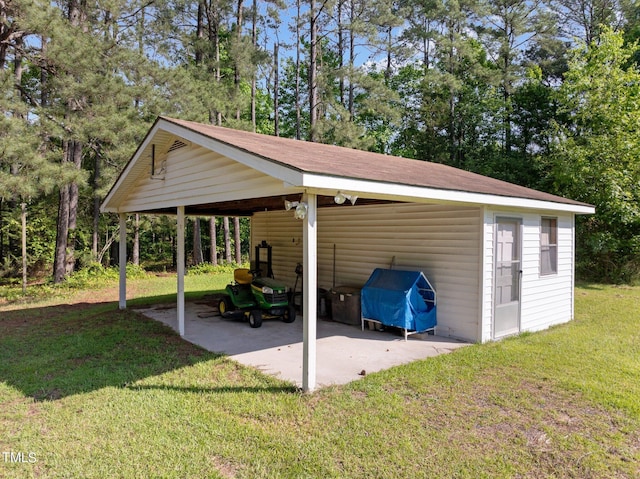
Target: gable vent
176, 146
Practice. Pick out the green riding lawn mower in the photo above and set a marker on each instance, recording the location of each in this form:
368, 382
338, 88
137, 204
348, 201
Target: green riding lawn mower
254, 295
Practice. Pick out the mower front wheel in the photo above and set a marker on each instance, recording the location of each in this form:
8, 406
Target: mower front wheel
289, 315
255, 318
225, 306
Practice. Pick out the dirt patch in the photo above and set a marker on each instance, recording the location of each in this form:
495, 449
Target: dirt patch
226, 468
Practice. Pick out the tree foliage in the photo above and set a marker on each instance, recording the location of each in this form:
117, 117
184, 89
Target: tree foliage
486, 86
597, 154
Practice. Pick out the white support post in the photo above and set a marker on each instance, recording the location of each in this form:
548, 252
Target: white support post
180, 268
310, 318
122, 261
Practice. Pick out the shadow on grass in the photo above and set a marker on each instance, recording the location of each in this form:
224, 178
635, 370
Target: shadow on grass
589, 286
221, 390
49, 353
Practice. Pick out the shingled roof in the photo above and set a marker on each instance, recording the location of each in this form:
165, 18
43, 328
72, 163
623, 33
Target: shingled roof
349, 163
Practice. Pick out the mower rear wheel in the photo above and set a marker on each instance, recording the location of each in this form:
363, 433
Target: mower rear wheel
225, 306
289, 315
255, 318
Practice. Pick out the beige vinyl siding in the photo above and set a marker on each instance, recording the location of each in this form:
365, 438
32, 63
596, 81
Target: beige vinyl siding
197, 175
545, 299
442, 241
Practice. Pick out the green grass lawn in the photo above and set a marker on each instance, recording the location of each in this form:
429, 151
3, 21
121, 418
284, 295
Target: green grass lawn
89, 391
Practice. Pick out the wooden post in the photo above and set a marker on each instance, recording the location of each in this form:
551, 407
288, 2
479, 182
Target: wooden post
122, 261
24, 247
180, 269
310, 318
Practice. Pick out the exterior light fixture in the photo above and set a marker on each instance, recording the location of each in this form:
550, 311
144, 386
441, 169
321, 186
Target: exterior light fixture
340, 198
300, 211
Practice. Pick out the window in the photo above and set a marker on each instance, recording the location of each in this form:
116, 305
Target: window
549, 246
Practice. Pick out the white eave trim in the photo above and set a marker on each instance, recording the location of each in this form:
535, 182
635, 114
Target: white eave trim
407, 193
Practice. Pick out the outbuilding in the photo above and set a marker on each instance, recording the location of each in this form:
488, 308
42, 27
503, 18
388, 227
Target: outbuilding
500, 256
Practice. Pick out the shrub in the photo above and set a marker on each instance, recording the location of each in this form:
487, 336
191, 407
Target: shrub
95, 274
208, 268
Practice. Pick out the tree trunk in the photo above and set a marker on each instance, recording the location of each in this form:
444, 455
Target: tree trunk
135, 250
388, 70
297, 92
96, 210
352, 60
214, 241
44, 88
340, 52
1, 230
451, 53
197, 242
254, 39
237, 241
199, 33
236, 76
64, 262
74, 195
276, 93
214, 38
12, 240
24, 247
59, 261
313, 72
227, 239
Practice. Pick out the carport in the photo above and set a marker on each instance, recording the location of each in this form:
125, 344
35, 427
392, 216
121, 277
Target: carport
184, 168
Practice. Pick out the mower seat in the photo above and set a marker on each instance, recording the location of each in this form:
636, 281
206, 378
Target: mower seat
242, 276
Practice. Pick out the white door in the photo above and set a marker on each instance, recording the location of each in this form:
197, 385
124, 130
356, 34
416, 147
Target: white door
508, 271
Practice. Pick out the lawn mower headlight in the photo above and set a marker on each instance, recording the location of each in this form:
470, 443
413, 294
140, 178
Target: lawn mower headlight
267, 290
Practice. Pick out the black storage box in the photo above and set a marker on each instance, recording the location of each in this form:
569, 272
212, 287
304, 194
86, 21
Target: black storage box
345, 305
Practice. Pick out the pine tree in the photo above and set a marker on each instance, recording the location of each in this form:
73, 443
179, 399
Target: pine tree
24, 170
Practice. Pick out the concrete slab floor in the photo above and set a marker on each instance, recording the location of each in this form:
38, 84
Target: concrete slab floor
344, 353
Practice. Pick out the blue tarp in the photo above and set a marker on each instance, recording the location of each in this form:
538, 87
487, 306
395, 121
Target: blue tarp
404, 299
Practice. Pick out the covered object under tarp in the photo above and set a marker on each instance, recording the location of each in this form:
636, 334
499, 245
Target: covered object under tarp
403, 299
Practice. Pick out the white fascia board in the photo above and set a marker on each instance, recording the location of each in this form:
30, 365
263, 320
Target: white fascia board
262, 165
407, 193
